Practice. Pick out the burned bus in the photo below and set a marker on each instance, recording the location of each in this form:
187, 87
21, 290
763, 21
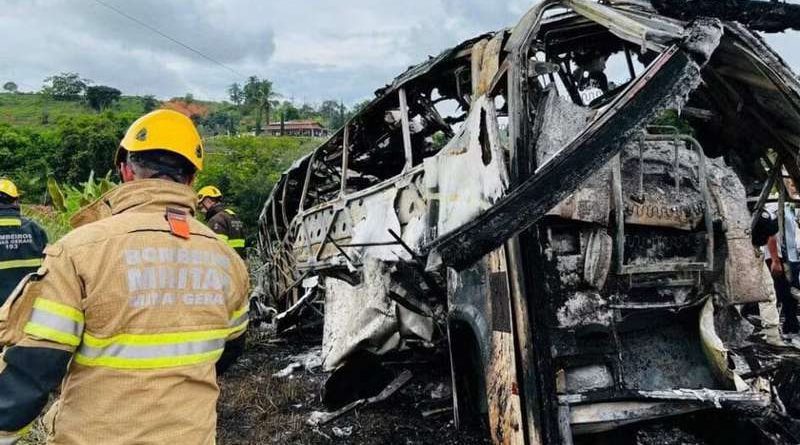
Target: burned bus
563, 204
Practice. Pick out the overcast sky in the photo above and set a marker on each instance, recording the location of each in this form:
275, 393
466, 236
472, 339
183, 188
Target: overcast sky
311, 49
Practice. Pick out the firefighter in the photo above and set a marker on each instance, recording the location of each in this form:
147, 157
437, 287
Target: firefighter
133, 313
22, 241
223, 221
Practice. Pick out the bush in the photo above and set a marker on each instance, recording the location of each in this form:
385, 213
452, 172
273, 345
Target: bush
24, 157
68, 200
54, 223
70, 152
88, 143
246, 169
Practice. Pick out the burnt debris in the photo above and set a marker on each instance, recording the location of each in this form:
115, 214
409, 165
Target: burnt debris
562, 206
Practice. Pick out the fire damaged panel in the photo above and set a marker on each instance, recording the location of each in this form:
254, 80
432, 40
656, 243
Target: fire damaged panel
579, 238
501, 308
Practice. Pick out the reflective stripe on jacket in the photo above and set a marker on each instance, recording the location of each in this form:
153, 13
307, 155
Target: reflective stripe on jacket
146, 315
228, 227
22, 243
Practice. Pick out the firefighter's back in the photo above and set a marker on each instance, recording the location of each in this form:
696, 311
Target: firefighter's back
158, 309
21, 245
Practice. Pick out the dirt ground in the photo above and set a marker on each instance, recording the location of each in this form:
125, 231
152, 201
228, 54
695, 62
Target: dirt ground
257, 408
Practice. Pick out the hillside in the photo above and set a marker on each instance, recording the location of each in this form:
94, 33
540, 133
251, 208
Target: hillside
67, 140
34, 110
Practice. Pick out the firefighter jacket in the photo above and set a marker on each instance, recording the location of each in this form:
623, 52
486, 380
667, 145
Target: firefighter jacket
22, 244
129, 313
227, 226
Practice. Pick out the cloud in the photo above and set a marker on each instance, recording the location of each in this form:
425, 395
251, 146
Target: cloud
313, 50
41, 38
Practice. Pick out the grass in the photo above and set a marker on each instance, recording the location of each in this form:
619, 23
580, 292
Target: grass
37, 434
33, 110
254, 406
55, 224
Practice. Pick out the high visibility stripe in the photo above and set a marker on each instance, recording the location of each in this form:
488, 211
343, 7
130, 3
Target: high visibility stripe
240, 319
148, 363
10, 222
150, 357
154, 339
230, 212
222, 237
55, 335
151, 351
236, 243
17, 264
55, 322
241, 327
59, 309
238, 314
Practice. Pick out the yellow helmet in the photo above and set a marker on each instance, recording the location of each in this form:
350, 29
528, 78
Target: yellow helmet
165, 130
208, 191
8, 187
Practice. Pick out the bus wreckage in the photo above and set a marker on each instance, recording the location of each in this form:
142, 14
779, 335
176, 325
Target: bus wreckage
563, 206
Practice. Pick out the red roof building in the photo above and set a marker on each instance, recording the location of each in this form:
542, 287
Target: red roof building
307, 128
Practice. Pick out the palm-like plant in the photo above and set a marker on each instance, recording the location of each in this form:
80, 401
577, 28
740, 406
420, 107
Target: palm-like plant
259, 95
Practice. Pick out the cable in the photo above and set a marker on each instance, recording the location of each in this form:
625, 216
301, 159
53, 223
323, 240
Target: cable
171, 39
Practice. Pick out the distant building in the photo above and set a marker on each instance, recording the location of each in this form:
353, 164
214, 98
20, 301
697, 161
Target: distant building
297, 128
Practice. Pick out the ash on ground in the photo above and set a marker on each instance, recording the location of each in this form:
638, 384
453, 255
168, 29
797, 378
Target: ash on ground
268, 396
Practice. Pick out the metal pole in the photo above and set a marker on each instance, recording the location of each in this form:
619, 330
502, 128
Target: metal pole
345, 156
406, 130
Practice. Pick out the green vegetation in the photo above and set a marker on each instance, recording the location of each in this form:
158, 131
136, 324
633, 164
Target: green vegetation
246, 168
54, 223
68, 151
37, 111
66, 200
671, 118
52, 141
69, 200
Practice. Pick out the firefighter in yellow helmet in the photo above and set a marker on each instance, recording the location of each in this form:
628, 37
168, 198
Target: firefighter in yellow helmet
223, 221
22, 241
133, 313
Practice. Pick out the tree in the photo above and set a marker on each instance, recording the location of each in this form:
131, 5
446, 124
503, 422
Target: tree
65, 86
360, 106
259, 96
149, 103
102, 97
236, 94
288, 110
220, 122
68, 149
307, 112
334, 113
247, 167
85, 143
11, 87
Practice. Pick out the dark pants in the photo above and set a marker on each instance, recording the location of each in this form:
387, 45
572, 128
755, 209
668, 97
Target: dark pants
784, 295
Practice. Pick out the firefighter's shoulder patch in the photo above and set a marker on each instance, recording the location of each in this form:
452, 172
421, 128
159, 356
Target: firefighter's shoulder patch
178, 223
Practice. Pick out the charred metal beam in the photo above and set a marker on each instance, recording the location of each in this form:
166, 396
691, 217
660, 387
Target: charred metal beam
406, 129
665, 84
768, 16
